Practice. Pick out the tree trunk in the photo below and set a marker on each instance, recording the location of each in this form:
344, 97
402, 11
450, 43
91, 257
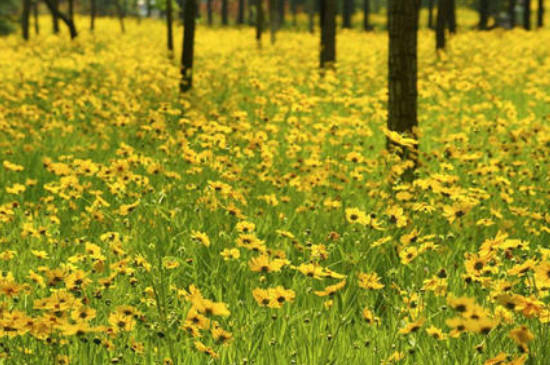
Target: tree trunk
26, 19
93, 11
311, 15
52, 6
483, 14
402, 71
251, 7
120, 14
366, 14
186, 81
149, 8
71, 9
540, 14
431, 14
451, 13
328, 33
224, 12
240, 14
35, 13
169, 29
442, 21
347, 11
55, 17
512, 13
273, 21
208, 11
527, 14
259, 21
281, 16
294, 11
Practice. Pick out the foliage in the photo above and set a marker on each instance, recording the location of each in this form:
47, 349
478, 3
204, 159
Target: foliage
8, 11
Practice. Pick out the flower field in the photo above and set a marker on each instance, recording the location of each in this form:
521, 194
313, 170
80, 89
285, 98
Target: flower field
259, 218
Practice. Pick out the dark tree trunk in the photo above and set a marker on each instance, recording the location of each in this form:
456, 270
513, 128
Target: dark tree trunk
347, 11
71, 9
273, 21
259, 21
281, 19
483, 14
527, 14
55, 17
186, 81
431, 14
251, 6
311, 15
169, 29
225, 6
35, 13
240, 14
51, 4
26, 19
402, 71
149, 8
540, 14
120, 14
208, 11
442, 22
366, 15
328, 33
512, 13
93, 11
452, 16
294, 11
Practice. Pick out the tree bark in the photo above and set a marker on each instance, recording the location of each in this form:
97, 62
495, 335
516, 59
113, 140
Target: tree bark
208, 11
451, 12
294, 11
483, 14
52, 6
55, 17
149, 8
431, 14
328, 33
273, 19
347, 12
281, 16
240, 14
540, 14
366, 15
259, 21
71, 9
26, 19
169, 28
186, 81
35, 13
402, 70
93, 11
120, 14
512, 13
442, 22
225, 6
311, 15
527, 14
251, 7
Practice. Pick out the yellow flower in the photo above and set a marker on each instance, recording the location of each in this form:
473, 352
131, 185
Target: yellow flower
201, 238
370, 281
354, 215
16, 189
411, 327
264, 264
